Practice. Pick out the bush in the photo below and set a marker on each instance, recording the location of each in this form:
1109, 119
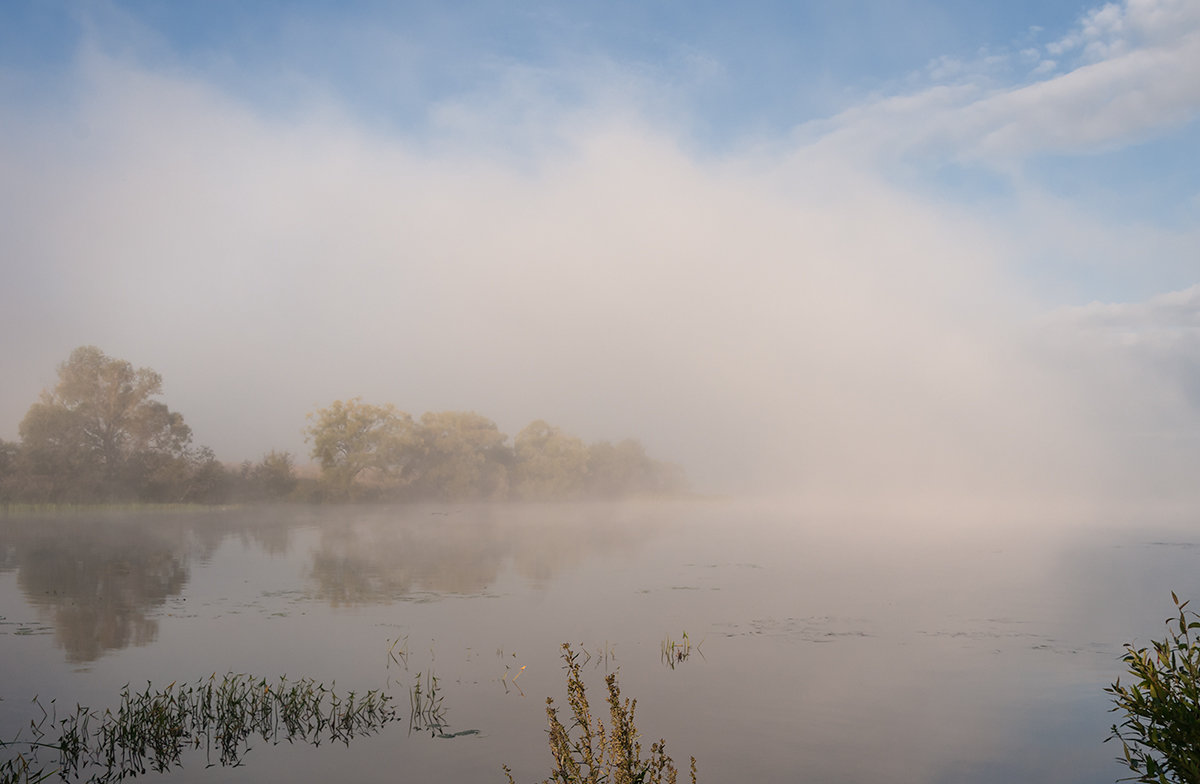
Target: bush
1161, 732
587, 753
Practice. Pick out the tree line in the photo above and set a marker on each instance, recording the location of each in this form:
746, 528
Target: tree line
100, 435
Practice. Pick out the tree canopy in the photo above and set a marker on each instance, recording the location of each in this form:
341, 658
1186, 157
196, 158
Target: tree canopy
373, 451
101, 434
353, 440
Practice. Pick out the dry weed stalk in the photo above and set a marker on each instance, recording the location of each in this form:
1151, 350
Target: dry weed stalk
588, 753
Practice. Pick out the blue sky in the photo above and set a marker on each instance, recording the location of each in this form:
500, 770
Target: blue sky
542, 209
721, 78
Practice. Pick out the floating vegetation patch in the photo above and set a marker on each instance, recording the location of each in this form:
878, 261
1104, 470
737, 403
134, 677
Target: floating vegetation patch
150, 730
820, 629
587, 752
25, 629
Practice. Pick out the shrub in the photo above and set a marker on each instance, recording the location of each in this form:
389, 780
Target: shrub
594, 754
1160, 736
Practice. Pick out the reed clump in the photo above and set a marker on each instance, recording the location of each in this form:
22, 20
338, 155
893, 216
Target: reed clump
677, 651
151, 729
425, 702
587, 752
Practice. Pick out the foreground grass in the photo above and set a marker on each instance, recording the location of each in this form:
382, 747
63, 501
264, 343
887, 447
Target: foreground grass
587, 752
151, 730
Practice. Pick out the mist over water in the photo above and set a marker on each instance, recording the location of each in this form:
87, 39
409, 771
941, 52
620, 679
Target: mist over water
832, 649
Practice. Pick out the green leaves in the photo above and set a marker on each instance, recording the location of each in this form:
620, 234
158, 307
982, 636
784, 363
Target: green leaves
1160, 736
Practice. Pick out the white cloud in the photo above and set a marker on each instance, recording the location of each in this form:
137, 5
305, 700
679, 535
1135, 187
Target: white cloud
1115, 28
1137, 79
1145, 356
1163, 321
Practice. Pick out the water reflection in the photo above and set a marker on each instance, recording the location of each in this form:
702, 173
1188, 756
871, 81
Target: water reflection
406, 553
95, 581
101, 581
820, 649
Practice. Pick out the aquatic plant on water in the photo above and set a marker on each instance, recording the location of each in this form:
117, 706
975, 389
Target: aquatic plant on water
1160, 736
425, 702
151, 729
587, 752
677, 651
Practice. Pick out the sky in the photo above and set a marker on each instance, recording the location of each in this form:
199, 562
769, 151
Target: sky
887, 249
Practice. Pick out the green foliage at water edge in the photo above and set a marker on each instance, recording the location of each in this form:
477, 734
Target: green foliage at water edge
1160, 736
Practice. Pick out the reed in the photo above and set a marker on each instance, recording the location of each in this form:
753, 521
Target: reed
151, 729
425, 702
677, 651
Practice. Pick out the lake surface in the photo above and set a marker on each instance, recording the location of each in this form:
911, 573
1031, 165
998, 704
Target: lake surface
825, 648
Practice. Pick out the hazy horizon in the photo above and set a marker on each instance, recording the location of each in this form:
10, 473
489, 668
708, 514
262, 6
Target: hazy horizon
885, 251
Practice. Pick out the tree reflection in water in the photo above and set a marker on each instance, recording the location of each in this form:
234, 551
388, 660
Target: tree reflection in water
101, 578
395, 553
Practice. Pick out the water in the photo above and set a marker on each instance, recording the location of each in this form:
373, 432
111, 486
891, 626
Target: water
825, 649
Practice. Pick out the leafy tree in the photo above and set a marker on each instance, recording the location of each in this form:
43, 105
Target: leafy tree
275, 476
1160, 736
208, 482
463, 457
10, 456
548, 464
621, 469
354, 440
99, 432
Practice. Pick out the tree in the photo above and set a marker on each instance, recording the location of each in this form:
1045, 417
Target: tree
275, 476
99, 432
356, 440
548, 464
10, 456
463, 457
619, 470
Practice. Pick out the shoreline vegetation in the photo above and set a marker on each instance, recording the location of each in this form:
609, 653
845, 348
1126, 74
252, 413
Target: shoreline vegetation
157, 730
1160, 733
100, 438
